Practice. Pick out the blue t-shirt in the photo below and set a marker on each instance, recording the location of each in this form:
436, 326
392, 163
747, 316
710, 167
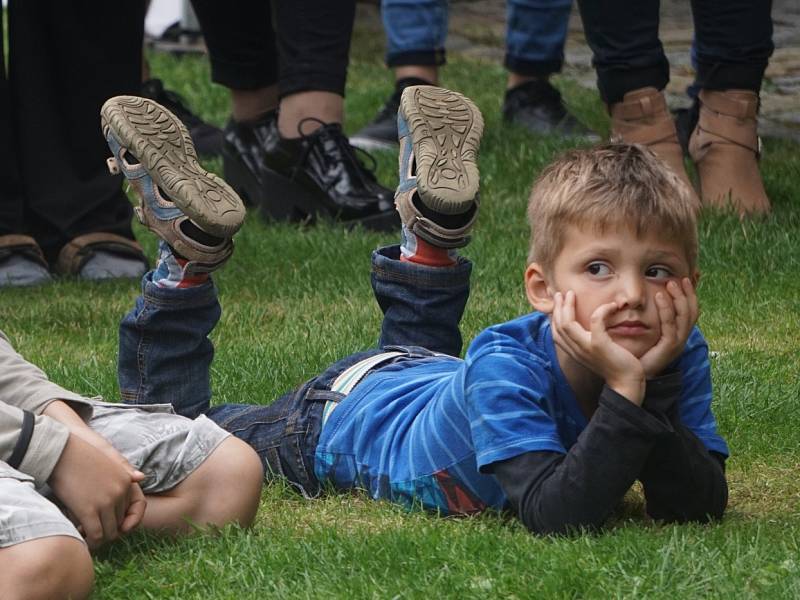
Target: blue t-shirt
422, 432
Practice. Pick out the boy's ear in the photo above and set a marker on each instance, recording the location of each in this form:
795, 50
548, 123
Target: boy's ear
537, 289
695, 278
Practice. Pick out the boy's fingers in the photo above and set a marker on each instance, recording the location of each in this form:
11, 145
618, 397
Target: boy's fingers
681, 306
136, 509
599, 317
691, 296
93, 531
666, 314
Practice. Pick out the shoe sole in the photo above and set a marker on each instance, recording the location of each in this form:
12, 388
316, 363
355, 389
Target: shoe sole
289, 201
446, 130
161, 142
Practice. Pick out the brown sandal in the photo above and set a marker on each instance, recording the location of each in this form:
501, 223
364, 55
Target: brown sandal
75, 254
23, 245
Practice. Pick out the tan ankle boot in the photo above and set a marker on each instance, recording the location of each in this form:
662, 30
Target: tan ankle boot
725, 148
643, 118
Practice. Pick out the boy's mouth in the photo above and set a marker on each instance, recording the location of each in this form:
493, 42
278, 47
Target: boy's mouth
629, 328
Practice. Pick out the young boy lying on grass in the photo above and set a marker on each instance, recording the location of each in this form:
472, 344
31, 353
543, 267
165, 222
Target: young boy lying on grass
554, 414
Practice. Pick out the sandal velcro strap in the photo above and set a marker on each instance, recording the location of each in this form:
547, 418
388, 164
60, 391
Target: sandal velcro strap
22, 245
75, 254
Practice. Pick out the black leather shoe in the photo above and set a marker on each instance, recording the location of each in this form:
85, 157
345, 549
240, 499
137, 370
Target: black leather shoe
207, 138
538, 107
315, 176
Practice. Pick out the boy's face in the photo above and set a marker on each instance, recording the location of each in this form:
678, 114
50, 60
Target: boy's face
613, 266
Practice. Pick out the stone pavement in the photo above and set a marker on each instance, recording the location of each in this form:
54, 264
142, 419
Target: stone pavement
477, 28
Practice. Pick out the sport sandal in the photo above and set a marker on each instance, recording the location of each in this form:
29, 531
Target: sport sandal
440, 133
150, 143
194, 211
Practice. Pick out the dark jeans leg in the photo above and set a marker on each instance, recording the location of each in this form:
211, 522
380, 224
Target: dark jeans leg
733, 43
535, 35
164, 351
416, 31
623, 36
65, 60
422, 306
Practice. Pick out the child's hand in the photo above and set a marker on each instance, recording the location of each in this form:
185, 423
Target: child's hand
595, 349
678, 311
97, 491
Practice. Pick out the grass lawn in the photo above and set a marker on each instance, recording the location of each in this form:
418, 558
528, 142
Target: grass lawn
296, 299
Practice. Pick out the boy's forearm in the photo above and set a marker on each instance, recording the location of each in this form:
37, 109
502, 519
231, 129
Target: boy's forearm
682, 480
556, 493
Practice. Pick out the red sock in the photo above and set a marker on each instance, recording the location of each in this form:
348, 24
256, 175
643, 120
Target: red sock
429, 255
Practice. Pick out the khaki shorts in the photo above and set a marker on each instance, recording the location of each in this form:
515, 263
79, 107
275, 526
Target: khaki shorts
166, 447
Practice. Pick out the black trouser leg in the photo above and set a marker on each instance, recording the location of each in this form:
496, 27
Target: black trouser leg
733, 43
623, 36
65, 60
240, 41
311, 37
11, 201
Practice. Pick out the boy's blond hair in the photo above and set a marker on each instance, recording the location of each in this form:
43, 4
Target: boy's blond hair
606, 187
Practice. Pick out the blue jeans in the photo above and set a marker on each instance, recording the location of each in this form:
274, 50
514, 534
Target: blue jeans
165, 356
416, 31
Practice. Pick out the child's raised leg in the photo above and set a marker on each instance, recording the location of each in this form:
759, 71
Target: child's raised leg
422, 286
165, 353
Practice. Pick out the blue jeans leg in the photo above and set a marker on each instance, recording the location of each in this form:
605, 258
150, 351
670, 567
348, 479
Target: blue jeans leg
416, 31
535, 35
164, 351
422, 306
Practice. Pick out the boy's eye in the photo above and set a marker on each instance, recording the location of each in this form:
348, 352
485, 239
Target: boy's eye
598, 269
658, 272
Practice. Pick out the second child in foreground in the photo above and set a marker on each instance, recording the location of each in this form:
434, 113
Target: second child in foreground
554, 414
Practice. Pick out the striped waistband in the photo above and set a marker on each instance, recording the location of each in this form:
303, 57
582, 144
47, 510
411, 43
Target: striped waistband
351, 376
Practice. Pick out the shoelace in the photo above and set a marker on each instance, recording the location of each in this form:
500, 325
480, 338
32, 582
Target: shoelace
333, 131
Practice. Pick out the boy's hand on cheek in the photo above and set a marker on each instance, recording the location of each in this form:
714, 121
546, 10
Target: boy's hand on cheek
595, 349
677, 311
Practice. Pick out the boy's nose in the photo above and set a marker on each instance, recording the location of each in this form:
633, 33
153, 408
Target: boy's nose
631, 292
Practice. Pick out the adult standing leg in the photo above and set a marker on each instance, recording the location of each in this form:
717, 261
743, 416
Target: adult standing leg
733, 46
76, 211
296, 163
535, 37
21, 260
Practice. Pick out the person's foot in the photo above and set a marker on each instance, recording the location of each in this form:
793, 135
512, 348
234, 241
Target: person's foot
725, 148
207, 138
318, 175
440, 133
22, 262
642, 117
538, 107
194, 211
381, 132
